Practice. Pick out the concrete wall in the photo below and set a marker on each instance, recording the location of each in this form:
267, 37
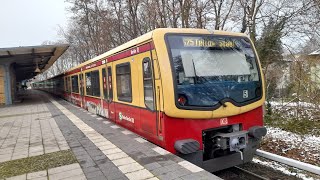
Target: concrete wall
7, 84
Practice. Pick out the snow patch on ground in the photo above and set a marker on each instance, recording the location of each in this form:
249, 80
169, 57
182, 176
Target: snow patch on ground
283, 168
294, 104
304, 148
302, 110
292, 138
307, 142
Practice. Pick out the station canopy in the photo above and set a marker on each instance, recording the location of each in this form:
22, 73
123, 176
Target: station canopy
28, 61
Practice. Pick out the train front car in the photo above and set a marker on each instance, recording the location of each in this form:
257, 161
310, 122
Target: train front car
212, 113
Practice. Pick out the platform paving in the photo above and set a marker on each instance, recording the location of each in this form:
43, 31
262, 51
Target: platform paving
28, 129
103, 149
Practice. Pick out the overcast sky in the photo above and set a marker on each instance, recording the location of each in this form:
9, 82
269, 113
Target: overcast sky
30, 22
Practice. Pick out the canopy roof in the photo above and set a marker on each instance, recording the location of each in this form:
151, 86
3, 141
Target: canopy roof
26, 59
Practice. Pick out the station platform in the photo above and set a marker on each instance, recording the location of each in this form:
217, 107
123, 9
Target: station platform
42, 124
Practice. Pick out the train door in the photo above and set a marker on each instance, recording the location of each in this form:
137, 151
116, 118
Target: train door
81, 90
148, 115
109, 99
105, 93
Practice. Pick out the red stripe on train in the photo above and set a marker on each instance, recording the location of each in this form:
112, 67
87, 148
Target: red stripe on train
131, 52
73, 71
128, 53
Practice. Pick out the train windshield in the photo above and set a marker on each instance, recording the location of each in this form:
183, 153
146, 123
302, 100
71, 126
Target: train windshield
210, 70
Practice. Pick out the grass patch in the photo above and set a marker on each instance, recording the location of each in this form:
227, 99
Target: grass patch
298, 126
36, 163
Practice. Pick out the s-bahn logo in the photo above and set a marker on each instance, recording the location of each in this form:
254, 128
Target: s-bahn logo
224, 121
120, 116
126, 118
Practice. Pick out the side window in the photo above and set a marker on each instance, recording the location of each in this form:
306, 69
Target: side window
88, 84
75, 86
148, 83
93, 83
104, 83
110, 89
123, 77
95, 80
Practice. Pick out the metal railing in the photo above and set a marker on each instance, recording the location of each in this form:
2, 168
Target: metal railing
288, 161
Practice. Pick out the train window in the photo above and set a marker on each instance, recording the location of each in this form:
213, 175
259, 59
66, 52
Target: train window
93, 83
110, 84
68, 86
75, 85
123, 77
148, 83
104, 83
88, 84
212, 69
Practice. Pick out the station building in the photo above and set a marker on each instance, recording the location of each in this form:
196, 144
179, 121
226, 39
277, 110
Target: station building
18, 64
315, 67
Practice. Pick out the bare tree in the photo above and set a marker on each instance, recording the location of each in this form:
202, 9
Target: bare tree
201, 11
222, 10
250, 15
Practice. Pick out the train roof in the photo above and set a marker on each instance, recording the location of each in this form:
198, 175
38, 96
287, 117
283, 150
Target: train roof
148, 36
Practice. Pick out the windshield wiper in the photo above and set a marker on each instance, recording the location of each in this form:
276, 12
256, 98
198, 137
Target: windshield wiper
195, 72
222, 103
198, 77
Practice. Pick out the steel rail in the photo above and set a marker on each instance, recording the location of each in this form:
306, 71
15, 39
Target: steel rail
248, 175
288, 161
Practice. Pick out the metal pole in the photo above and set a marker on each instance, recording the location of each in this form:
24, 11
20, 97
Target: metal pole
7, 87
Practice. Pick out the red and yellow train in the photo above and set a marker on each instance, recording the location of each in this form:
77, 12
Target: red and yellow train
196, 93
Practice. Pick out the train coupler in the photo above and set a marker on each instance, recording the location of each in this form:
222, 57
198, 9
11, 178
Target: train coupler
233, 141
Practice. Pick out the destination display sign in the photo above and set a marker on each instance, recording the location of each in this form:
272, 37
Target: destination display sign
199, 42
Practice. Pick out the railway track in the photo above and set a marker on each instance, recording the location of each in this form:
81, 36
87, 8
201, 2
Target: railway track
254, 171
238, 173
245, 174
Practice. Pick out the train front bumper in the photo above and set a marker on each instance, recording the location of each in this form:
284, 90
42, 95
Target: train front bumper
235, 158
